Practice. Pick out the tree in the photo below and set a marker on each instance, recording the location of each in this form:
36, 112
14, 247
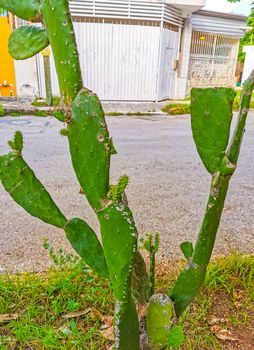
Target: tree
248, 38
91, 148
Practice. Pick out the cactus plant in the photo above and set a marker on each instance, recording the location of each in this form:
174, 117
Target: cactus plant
91, 148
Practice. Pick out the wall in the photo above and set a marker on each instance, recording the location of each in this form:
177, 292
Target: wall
26, 78
7, 75
249, 62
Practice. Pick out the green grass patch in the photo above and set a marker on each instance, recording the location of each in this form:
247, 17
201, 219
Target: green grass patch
41, 300
2, 111
41, 113
113, 114
177, 108
56, 101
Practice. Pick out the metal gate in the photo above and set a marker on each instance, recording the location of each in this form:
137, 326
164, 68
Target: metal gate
213, 60
169, 55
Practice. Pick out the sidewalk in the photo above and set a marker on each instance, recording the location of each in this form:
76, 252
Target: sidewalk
116, 107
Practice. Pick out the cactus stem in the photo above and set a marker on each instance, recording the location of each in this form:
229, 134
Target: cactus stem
192, 277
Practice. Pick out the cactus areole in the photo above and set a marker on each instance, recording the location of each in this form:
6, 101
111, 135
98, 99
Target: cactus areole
91, 148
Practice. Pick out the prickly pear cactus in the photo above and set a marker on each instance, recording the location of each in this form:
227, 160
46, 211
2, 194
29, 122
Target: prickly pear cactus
89, 140
33, 39
91, 149
160, 317
211, 114
21, 183
25, 9
85, 242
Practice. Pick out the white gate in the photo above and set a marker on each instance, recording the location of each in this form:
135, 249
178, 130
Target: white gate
212, 61
118, 61
169, 55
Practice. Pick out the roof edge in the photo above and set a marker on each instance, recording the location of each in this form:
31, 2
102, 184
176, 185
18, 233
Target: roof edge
220, 14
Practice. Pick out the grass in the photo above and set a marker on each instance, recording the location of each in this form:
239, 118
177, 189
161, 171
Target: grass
177, 108
2, 111
40, 300
43, 103
184, 108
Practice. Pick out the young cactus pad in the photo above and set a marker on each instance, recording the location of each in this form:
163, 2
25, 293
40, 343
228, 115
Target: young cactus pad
33, 39
160, 317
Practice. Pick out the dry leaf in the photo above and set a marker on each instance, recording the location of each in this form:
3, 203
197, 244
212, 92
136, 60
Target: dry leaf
108, 333
238, 305
227, 208
75, 314
8, 317
213, 320
142, 311
95, 314
108, 321
223, 334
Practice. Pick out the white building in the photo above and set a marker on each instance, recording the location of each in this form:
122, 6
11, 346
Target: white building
146, 50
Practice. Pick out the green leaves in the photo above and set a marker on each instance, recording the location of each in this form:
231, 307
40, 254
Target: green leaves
27, 41
211, 116
85, 242
26, 9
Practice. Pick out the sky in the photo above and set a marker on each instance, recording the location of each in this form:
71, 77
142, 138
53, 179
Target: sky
242, 7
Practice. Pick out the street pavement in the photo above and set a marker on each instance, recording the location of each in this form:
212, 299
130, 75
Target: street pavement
168, 187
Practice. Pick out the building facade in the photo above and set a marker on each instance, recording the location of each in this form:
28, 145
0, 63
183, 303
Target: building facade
140, 50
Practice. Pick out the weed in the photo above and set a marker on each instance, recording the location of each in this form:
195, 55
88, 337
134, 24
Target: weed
2, 111
113, 114
41, 113
177, 108
17, 114
43, 103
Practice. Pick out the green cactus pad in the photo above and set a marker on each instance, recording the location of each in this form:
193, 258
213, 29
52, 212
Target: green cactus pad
25, 9
21, 183
211, 116
90, 147
58, 23
160, 316
85, 242
27, 41
139, 280
119, 236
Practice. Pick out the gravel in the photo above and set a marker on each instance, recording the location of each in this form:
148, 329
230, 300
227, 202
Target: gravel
168, 187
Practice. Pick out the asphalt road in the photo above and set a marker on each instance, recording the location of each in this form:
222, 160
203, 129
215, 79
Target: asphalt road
167, 192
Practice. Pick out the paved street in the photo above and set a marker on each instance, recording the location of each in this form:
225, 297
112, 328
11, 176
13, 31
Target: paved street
167, 192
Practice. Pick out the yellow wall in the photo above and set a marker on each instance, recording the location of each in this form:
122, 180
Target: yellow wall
7, 72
